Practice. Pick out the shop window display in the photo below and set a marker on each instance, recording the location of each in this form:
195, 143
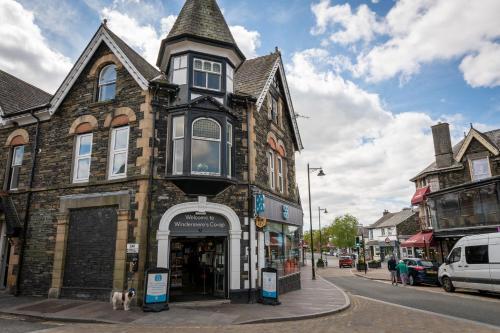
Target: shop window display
282, 248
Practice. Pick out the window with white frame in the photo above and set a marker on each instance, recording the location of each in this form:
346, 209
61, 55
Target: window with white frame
383, 231
480, 169
410, 251
118, 154
178, 145
205, 147
370, 234
229, 149
107, 83
281, 186
271, 170
83, 154
15, 166
229, 78
207, 74
178, 70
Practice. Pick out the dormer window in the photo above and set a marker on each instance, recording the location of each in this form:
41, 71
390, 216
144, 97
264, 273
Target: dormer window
480, 168
205, 147
207, 74
107, 83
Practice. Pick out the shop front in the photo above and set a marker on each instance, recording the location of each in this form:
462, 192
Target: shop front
200, 243
280, 246
420, 245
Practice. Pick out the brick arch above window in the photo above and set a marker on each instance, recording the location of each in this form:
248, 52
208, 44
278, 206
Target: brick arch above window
103, 61
119, 117
272, 141
83, 124
18, 137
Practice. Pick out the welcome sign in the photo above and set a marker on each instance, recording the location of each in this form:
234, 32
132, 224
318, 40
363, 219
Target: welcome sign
190, 224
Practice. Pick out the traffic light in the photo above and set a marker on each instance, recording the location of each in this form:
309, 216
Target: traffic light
358, 241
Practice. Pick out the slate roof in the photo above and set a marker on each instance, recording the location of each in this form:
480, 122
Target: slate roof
492, 137
202, 18
148, 71
397, 218
17, 95
253, 74
381, 220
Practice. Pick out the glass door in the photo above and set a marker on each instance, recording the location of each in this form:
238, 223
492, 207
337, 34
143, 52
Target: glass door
220, 268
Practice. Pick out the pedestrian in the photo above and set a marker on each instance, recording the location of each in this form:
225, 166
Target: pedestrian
403, 272
391, 265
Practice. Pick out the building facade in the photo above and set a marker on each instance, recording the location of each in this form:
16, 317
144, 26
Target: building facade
458, 194
128, 166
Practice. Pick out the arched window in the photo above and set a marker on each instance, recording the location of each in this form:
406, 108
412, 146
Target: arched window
107, 83
205, 147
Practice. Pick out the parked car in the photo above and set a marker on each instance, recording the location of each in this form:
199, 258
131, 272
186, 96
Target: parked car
345, 261
473, 263
422, 271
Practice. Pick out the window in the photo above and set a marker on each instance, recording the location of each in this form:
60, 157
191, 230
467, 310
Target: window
178, 145
270, 161
118, 154
476, 254
229, 78
207, 74
410, 252
281, 187
178, 70
15, 167
107, 83
480, 169
229, 150
370, 234
83, 152
455, 255
383, 231
205, 147
389, 231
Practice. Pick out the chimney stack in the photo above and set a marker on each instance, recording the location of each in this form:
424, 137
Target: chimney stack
442, 145
385, 212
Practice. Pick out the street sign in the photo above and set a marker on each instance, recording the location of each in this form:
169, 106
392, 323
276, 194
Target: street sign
387, 240
132, 248
156, 290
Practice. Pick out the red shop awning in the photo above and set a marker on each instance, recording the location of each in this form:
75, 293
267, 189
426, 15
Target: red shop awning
422, 239
420, 194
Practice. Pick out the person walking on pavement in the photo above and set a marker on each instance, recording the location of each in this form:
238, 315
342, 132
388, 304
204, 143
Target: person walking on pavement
403, 272
391, 265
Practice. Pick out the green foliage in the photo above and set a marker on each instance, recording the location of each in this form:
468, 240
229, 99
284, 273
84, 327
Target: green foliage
343, 231
307, 239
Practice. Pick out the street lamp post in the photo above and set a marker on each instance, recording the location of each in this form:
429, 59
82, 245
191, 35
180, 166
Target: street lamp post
320, 173
320, 238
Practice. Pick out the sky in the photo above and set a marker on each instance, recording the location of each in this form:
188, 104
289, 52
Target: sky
367, 77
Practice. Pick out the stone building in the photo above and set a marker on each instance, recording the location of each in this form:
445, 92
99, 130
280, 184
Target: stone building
458, 194
128, 166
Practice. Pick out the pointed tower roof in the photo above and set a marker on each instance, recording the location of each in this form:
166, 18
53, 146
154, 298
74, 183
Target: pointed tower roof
204, 19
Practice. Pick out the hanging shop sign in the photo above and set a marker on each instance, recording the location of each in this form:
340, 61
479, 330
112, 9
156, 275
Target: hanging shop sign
190, 224
260, 205
156, 290
269, 293
285, 212
260, 222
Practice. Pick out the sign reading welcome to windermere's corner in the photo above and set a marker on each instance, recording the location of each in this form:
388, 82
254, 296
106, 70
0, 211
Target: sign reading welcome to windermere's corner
194, 224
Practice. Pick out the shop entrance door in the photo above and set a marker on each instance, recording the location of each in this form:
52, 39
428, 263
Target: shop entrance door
198, 268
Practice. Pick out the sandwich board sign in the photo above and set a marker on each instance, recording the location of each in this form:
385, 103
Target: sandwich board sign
269, 293
156, 290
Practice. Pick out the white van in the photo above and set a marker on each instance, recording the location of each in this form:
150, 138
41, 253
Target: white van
474, 263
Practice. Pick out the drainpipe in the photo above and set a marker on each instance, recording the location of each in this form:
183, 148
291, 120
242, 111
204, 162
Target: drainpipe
28, 202
250, 203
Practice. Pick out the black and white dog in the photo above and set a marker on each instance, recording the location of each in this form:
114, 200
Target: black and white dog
123, 297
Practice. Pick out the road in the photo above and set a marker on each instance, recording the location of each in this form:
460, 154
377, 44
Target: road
461, 305
16, 324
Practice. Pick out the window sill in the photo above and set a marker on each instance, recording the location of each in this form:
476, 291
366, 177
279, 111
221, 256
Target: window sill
219, 93
201, 184
102, 103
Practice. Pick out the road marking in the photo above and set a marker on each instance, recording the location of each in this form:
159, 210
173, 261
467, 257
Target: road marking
430, 312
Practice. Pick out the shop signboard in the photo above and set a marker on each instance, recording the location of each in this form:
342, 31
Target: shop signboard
156, 290
190, 224
260, 206
269, 293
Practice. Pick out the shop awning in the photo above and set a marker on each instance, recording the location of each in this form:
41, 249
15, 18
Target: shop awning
420, 194
422, 239
9, 213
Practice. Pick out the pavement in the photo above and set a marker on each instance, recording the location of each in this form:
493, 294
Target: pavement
316, 298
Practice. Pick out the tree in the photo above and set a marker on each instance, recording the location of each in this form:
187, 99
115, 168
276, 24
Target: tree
343, 231
307, 239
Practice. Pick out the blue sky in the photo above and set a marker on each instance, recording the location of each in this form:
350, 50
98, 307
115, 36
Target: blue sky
372, 76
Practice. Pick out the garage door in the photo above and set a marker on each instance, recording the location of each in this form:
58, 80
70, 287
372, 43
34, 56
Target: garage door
90, 253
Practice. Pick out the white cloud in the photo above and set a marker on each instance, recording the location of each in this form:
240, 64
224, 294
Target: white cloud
24, 51
419, 32
359, 26
247, 40
368, 153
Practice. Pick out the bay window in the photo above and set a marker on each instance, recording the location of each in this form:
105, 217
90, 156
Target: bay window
83, 153
15, 168
207, 74
178, 145
205, 147
118, 154
229, 149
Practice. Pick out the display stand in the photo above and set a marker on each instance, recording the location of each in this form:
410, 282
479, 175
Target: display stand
156, 290
269, 291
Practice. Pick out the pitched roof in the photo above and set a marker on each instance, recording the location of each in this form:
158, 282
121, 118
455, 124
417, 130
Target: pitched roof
253, 74
492, 137
398, 218
202, 18
17, 96
145, 68
385, 217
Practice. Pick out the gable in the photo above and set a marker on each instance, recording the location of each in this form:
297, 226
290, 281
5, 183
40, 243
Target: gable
473, 142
